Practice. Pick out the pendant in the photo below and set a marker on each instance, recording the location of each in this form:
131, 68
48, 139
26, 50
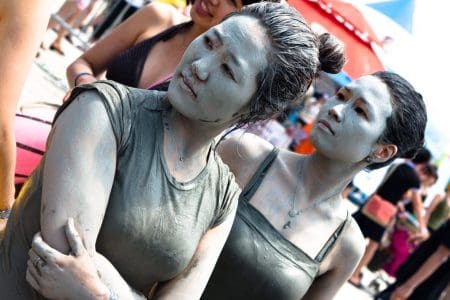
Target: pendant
293, 213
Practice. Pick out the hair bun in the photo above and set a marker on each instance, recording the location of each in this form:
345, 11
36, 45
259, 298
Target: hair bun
331, 53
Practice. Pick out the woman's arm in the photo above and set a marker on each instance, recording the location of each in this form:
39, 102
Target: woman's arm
78, 175
345, 256
22, 26
192, 281
74, 276
58, 276
150, 20
434, 203
405, 290
418, 210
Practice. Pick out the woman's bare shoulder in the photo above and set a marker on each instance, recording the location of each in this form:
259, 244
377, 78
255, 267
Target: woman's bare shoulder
243, 154
157, 17
352, 243
164, 13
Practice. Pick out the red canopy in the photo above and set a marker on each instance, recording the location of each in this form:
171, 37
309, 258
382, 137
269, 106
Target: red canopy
348, 24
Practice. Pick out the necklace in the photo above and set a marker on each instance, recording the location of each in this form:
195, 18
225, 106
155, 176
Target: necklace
293, 212
181, 162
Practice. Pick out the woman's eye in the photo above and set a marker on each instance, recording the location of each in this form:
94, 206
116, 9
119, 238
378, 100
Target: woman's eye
208, 42
361, 111
340, 96
227, 71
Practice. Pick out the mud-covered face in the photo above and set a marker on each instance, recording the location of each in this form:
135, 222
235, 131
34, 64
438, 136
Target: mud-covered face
350, 123
216, 77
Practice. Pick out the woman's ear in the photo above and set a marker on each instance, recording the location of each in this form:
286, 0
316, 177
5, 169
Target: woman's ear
383, 153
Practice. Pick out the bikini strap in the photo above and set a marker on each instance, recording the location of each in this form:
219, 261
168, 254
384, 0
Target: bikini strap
257, 178
332, 240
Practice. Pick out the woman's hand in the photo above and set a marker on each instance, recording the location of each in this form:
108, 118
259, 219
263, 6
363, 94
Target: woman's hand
58, 276
86, 79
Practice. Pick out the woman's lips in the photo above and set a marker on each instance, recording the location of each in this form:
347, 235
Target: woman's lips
327, 125
202, 8
188, 84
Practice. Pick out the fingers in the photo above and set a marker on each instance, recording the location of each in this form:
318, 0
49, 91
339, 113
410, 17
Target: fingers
74, 239
32, 279
416, 238
43, 250
33, 268
67, 95
33, 257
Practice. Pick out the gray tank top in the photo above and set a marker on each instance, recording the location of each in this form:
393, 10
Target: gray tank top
153, 223
257, 262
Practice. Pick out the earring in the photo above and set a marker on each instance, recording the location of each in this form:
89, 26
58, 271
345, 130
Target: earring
368, 159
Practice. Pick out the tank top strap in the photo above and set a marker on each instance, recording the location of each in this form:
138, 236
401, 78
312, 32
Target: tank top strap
127, 67
250, 189
171, 31
331, 240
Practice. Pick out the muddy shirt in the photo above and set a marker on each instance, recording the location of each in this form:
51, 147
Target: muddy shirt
153, 223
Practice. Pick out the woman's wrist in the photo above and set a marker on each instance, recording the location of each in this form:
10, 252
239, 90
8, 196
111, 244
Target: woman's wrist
4, 213
79, 77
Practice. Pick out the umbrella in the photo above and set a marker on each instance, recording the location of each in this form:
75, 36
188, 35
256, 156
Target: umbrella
347, 23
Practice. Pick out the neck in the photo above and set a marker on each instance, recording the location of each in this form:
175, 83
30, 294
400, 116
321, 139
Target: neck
192, 138
319, 171
192, 33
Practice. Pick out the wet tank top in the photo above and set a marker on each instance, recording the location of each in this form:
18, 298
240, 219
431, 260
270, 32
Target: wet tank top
127, 67
257, 262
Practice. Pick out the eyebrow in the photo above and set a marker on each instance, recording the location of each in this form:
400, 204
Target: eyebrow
220, 39
360, 98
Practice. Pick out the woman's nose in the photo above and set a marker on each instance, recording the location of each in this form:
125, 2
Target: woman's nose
214, 2
335, 112
199, 70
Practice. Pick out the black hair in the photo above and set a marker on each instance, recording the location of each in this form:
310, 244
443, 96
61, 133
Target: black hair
422, 156
405, 128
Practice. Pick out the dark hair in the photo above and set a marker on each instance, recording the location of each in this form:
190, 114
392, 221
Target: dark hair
405, 128
422, 156
244, 2
295, 57
431, 171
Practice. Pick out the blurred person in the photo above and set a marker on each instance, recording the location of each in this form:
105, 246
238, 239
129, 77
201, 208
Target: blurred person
425, 274
439, 209
22, 25
311, 108
400, 247
306, 117
138, 169
402, 178
121, 11
292, 237
77, 9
